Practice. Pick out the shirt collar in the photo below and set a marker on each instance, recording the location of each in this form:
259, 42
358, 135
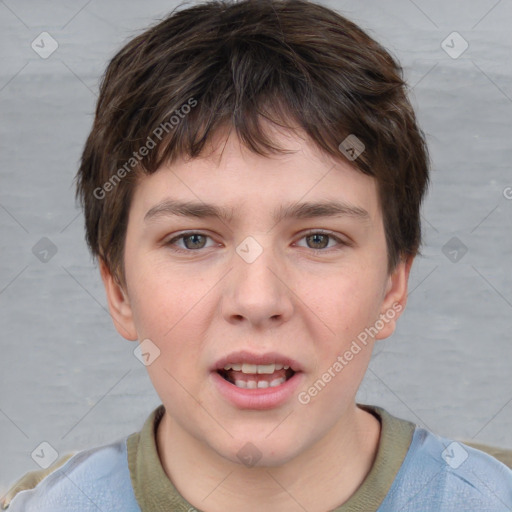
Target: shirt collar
156, 493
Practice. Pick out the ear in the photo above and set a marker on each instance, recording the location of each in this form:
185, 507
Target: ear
118, 304
395, 297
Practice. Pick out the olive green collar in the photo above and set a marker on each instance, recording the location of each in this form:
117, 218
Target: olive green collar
156, 493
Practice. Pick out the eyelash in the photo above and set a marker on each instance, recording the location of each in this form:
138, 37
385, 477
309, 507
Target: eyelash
170, 243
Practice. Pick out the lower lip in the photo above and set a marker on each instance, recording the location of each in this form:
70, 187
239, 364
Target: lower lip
259, 398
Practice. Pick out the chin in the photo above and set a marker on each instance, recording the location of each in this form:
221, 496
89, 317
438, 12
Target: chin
258, 453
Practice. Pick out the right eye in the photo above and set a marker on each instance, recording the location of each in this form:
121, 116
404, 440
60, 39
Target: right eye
192, 241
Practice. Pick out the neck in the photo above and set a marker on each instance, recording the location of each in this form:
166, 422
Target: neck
321, 478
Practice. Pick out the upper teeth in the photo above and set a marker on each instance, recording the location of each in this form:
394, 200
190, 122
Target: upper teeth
256, 368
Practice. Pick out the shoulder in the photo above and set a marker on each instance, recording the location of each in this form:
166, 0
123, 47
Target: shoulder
442, 474
89, 480
502, 454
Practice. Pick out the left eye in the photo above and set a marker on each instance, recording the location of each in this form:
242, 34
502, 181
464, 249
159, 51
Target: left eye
320, 240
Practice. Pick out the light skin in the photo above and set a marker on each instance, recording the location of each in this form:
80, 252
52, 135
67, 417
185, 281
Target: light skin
306, 296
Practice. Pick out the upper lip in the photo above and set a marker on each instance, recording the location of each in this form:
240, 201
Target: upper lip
244, 356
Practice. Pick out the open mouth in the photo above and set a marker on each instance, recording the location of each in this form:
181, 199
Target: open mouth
251, 376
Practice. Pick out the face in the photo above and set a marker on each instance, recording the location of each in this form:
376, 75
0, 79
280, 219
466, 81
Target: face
274, 262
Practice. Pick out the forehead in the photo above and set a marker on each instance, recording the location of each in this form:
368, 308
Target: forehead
228, 179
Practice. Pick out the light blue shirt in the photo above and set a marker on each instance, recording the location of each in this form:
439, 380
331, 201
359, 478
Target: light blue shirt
437, 475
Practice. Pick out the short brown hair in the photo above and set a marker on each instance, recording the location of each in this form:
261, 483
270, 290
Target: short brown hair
231, 64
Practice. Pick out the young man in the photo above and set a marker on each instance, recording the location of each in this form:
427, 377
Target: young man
252, 188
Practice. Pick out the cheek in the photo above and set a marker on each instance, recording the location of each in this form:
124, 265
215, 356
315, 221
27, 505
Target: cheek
348, 302
164, 299
169, 313
349, 306
174, 313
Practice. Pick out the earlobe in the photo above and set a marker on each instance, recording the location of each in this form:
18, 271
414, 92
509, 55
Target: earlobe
118, 304
395, 297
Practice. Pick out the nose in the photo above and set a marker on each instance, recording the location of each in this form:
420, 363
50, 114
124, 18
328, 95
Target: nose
257, 291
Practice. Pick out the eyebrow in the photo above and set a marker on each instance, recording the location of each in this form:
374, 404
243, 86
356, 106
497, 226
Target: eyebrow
307, 210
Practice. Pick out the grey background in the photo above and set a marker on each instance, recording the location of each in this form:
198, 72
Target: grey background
69, 379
